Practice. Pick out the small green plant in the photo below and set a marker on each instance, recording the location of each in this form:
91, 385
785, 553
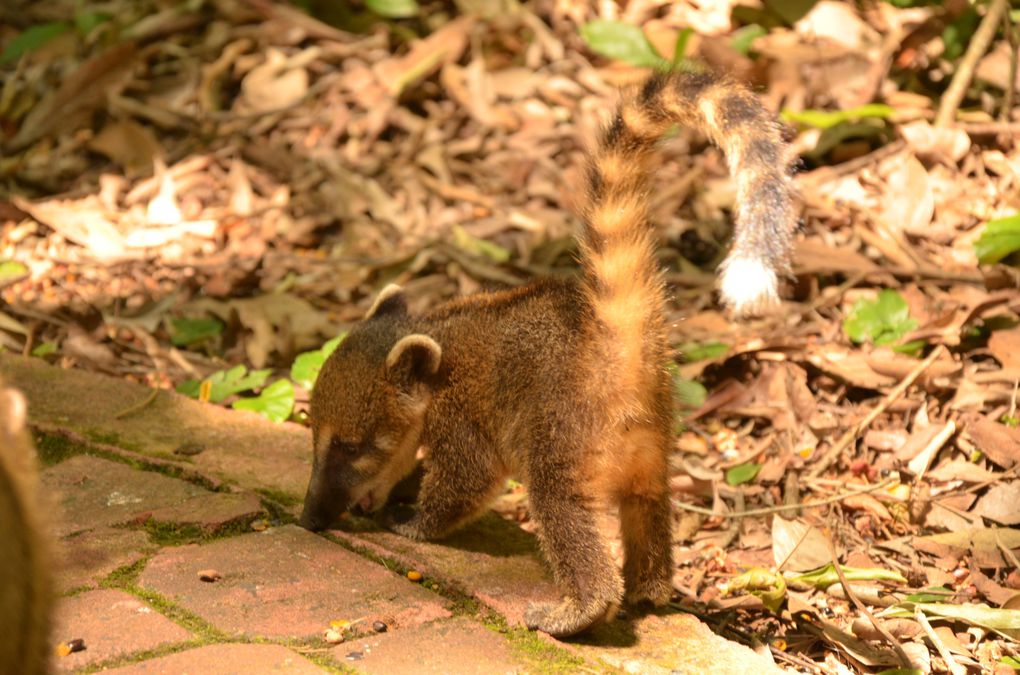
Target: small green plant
628, 43
743, 39
189, 332
826, 575
881, 321
31, 39
826, 119
689, 393
742, 473
11, 270
34, 37
702, 351
394, 9
44, 349
999, 239
276, 402
307, 365
223, 384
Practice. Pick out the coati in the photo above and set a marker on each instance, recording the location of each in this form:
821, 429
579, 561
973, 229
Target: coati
560, 383
25, 589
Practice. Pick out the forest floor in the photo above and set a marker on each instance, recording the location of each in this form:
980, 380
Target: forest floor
197, 196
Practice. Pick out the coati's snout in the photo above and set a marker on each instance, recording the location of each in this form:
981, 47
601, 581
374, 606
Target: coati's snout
368, 411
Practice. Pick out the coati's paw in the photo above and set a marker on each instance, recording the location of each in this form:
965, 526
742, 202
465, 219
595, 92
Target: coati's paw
403, 520
568, 617
655, 592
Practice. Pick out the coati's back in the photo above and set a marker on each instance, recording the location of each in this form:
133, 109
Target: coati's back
564, 382
24, 577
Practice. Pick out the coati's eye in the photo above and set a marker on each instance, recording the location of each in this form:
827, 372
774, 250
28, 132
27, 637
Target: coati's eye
345, 449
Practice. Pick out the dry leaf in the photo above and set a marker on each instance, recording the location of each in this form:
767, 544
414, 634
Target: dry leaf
1001, 503
797, 546
1000, 443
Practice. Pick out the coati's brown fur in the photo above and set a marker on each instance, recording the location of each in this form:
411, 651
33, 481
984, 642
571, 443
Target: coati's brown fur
560, 383
25, 600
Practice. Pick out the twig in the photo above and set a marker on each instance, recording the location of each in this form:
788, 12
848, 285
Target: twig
828, 173
137, 407
965, 71
988, 128
1014, 47
863, 609
947, 656
833, 453
782, 507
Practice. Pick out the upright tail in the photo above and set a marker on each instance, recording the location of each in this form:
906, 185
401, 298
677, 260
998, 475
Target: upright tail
617, 247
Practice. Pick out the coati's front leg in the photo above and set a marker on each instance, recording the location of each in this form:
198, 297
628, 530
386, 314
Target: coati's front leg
581, 564
459, 480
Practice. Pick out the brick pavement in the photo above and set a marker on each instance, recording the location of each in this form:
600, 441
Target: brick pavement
133, 539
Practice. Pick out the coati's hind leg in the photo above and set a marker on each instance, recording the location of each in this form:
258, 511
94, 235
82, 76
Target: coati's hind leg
581, 564
647, 526
646, 521
460, 479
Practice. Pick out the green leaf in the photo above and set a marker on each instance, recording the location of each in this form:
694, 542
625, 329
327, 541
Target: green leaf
471, 244
764, 584
623, 42
956, 36
307, 365
12, 269
276, 402
393, 9
999, 239
824, 119
743, 38
742, 473
912, 348
187, 332
689, 393
45, 349
680, 48
826, 576
1004, 621
31, 39
1011, 661
85, 22
933, 594
880, 321
693, 351
225, 383
833, 136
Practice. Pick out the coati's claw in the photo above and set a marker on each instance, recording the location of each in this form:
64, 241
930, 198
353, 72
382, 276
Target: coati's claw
567, 618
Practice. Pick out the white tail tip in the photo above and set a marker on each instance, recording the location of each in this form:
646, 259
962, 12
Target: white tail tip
748, 286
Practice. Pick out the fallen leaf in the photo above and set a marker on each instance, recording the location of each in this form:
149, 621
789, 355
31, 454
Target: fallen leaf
1001, 503
942, 143
797, 546
84, 221
999, 443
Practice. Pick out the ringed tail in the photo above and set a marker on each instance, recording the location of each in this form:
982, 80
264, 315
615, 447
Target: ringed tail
618, 249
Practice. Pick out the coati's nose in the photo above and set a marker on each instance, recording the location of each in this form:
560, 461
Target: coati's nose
310, 522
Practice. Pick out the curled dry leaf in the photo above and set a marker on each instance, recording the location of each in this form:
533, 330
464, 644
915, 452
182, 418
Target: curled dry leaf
908, 203
942, 143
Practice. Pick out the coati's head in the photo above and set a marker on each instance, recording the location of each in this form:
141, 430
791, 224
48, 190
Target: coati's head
367, 412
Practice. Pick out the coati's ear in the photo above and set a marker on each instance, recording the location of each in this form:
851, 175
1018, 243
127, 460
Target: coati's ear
389, 301
419, 353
